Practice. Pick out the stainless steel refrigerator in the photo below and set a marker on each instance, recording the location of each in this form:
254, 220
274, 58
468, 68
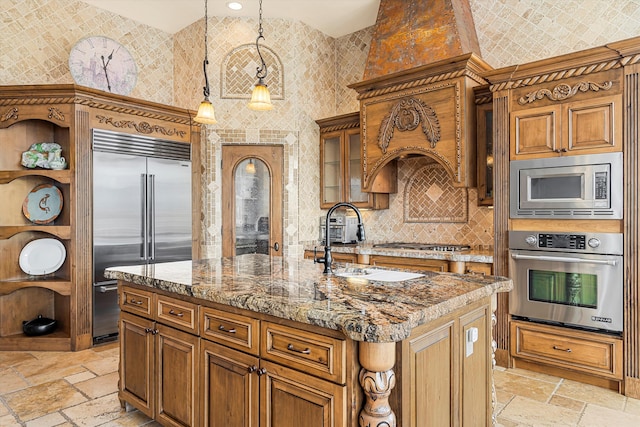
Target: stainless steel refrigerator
141, 212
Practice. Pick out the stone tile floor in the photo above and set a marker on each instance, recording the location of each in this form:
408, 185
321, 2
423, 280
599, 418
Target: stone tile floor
46, 389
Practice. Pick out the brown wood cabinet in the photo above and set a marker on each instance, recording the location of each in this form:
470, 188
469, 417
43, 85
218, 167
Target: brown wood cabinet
159, 369
441, 368
484, 144
337, 256
580, 116
341, 165
64, 114
585, 356
438, 265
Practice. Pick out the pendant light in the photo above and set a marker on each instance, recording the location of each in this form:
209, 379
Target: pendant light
206, 114
260, 98
251, 167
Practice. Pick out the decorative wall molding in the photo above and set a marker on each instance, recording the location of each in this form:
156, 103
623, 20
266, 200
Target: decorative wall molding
341, 127
141, 127
563, 91
406, 115
238, 72
419, 82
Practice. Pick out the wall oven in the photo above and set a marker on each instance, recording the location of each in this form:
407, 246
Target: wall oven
573, 279
588, 186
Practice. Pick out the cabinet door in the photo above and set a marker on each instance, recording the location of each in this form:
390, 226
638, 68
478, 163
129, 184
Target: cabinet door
293, 399
535, 133
229, 385
137, 362
332, 169
353, 172
177, 373
594, 125
475, 369
432, 387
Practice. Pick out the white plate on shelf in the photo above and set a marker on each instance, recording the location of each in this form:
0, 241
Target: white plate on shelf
42, 256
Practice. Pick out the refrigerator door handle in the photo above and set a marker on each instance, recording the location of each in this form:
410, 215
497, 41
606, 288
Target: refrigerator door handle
145, 240
152, 216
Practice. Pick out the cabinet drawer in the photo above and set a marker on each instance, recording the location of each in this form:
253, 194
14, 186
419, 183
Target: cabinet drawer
136, 301
233, 330
179, 314
316, 354
567, 348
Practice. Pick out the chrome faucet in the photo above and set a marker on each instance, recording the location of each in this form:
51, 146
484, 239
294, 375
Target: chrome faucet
327, 259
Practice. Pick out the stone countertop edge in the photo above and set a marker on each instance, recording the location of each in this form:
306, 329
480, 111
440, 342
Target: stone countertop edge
297, 290
484, 256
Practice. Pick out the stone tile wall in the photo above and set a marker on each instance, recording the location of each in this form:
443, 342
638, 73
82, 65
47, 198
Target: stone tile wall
38, 35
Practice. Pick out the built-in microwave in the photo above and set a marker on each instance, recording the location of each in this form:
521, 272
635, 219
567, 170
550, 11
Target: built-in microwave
342, 228
586, 186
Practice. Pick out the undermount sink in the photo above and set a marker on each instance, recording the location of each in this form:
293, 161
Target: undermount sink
377, 274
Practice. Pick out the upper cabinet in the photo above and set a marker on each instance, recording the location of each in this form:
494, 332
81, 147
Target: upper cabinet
484, 143
341, 164
581, 115
428, 110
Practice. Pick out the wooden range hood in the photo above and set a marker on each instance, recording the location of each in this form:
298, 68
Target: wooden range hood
417, 96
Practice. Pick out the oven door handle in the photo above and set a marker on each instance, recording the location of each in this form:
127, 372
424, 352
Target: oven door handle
565, 259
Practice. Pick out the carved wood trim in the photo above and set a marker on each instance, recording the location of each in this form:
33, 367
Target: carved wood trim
141, 127
419, 82
406, 115
557, 75
631, 152
11, 113
563, 91
501, 214
340, 127
107, 105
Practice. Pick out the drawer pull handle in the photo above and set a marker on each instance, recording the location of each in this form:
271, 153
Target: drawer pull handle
568, 350
132, 301
290, 347
223, 329
479, 273
176, 314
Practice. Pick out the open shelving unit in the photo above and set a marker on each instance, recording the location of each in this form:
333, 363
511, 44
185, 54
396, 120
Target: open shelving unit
66, 115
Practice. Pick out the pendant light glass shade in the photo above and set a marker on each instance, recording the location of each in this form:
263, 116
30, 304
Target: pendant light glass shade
260, 97
251, 167
206, 114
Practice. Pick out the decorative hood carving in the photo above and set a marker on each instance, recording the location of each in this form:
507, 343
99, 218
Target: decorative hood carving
417, 97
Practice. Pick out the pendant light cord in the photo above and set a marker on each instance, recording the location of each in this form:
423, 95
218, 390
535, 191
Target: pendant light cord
206, 90
261, 72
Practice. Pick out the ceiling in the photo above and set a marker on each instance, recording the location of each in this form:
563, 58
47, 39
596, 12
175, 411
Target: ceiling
333, 17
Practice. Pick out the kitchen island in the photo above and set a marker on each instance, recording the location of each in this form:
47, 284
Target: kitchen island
271, 341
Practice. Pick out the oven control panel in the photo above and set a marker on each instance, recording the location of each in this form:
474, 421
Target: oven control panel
596, 243
564, 241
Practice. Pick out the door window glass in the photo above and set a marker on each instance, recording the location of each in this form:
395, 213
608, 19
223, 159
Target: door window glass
252, 196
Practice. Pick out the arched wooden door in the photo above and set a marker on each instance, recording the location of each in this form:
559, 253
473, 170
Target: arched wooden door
252, 199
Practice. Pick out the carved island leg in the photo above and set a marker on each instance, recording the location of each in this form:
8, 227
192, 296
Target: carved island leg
377, 379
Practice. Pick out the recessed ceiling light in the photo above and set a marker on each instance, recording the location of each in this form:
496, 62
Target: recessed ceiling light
234, 5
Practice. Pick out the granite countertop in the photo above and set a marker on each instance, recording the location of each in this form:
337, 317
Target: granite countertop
473, 255
296, 289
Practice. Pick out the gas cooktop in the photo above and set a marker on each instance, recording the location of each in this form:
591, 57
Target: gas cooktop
440, 247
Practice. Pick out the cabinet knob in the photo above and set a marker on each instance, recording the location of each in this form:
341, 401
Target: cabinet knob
262, 371
276, 246
252, 369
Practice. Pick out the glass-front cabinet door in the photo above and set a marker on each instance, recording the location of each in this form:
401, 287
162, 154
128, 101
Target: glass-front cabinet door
332, 173
340, 164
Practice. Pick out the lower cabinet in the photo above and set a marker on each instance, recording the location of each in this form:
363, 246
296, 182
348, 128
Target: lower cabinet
423, 264
580, 355
158, 370
445, 372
